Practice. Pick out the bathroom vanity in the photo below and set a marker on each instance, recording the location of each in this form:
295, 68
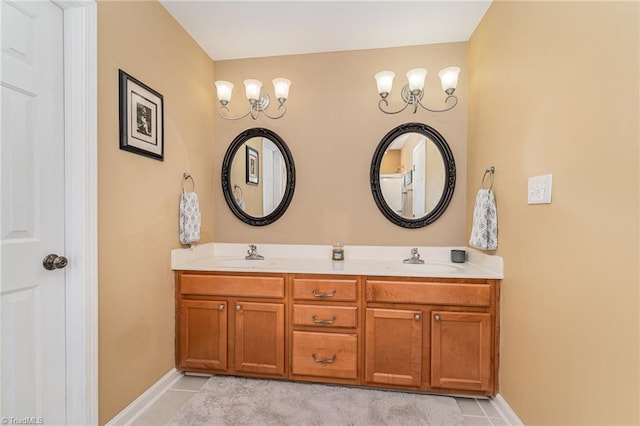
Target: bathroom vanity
367, 321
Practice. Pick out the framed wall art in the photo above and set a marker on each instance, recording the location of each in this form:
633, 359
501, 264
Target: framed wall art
141, 118
252, 166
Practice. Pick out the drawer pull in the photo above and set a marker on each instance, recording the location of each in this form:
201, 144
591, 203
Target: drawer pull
324, 360
327, 321
313, 291
221, 307
437, 317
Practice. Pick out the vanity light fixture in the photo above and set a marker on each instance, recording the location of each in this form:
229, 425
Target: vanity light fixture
413, 91
258, 100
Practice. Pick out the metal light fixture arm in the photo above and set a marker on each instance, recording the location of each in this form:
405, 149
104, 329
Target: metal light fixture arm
414, 99
256, 107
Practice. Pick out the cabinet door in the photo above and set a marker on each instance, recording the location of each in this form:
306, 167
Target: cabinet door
461, 350
202, 336
393, 347
259, 339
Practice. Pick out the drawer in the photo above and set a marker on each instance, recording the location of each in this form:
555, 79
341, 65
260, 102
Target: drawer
230, 285
344, 290
325, 355
325, 316
428, 293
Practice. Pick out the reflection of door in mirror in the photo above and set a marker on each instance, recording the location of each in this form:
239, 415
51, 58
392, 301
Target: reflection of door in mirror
435, 176
417, 160
418, 166
274, 175
412, 162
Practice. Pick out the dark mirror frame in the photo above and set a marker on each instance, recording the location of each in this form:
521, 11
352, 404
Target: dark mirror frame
450, 178
226, 176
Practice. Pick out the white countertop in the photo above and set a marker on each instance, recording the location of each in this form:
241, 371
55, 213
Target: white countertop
316, 259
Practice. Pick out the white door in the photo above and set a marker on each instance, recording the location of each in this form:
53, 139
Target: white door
273, 175
419, 180
32, 214
268, 151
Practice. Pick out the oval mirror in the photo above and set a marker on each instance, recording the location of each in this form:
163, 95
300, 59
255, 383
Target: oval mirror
413, 175
258, 176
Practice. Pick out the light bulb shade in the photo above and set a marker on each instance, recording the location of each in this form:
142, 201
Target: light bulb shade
416, 78
449, 78
224, 89
281, 88
384, 79
253, 88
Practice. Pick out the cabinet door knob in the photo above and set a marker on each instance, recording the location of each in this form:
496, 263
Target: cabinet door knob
416, 317
437, 317
221, 307
238, 308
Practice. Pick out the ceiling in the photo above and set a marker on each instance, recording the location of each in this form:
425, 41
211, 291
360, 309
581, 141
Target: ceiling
252, 29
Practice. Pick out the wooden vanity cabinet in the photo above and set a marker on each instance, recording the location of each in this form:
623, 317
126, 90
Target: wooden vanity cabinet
230, 323
420, 334
435, 335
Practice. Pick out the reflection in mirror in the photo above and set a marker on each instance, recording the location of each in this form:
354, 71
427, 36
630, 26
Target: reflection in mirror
413, 175
258, 176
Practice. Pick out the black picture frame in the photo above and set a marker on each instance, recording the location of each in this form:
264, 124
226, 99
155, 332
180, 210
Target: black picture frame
141, 118
253, 166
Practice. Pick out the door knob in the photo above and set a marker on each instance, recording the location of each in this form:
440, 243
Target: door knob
53, 261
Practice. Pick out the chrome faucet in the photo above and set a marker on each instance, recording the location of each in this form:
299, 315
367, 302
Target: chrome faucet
415, 257
252, 253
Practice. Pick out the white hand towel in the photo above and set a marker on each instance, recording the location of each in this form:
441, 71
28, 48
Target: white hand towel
189, 218
484, 233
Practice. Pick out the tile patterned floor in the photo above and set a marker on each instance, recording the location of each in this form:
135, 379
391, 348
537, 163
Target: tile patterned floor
476, 412
479, 412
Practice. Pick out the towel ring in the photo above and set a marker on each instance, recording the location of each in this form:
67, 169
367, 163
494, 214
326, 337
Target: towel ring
236, 186
490, 171
186, 176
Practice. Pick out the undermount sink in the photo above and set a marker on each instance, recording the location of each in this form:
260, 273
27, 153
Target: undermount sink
427, 267
245, 263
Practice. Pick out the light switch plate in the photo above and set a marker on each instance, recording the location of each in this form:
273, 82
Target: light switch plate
539, 190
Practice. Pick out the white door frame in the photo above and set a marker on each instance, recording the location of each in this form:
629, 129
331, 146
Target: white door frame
81, 208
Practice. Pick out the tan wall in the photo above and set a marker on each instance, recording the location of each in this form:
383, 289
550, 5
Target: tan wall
333, 127
138, 197
390, 162
553, 88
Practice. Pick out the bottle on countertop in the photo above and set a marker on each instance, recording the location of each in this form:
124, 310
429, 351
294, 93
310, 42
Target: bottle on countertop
338, 252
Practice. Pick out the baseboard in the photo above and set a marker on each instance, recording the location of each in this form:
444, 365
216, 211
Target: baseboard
507, 414
148, 397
